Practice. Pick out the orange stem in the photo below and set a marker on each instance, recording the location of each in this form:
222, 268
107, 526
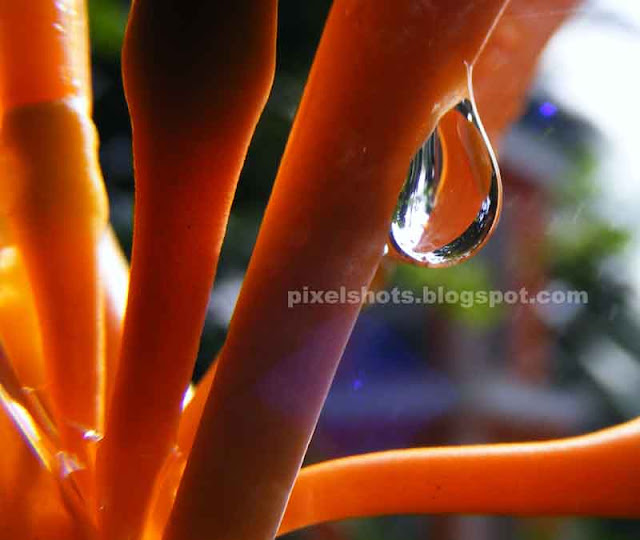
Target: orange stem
114, 276
197, 75
168, 481
54, 202
592, 475
32, 496
19, 332
505, 69
43, 51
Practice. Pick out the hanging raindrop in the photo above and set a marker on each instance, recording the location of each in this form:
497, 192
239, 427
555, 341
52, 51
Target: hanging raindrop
451, 199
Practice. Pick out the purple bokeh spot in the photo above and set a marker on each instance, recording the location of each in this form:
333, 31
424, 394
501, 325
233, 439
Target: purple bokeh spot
548, 109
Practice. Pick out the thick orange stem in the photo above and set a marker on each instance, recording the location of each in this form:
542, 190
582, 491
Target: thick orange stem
197, 75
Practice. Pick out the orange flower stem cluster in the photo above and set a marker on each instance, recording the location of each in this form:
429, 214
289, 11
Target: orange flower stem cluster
197, 75
55, 206
365, 111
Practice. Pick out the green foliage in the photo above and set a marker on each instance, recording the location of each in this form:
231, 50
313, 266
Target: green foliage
584, 240
107, 21
473, 275
579, 238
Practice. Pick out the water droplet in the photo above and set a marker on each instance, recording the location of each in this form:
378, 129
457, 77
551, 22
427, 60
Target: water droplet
451, 199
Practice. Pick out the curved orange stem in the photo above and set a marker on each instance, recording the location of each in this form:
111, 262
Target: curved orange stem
592, 475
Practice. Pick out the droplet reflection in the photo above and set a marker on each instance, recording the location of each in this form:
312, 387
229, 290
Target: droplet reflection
451, 199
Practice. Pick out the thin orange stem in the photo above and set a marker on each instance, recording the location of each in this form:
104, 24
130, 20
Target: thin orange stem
169, 479
32, 491
43, 51
19, 332
54, 202
114, 276
504, 71
57, 214
592, 475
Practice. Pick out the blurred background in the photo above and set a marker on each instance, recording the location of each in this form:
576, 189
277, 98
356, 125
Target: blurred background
418, 375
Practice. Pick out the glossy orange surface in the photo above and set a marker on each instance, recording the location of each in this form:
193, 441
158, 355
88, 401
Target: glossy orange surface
190, 137
63, 280
325, 227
